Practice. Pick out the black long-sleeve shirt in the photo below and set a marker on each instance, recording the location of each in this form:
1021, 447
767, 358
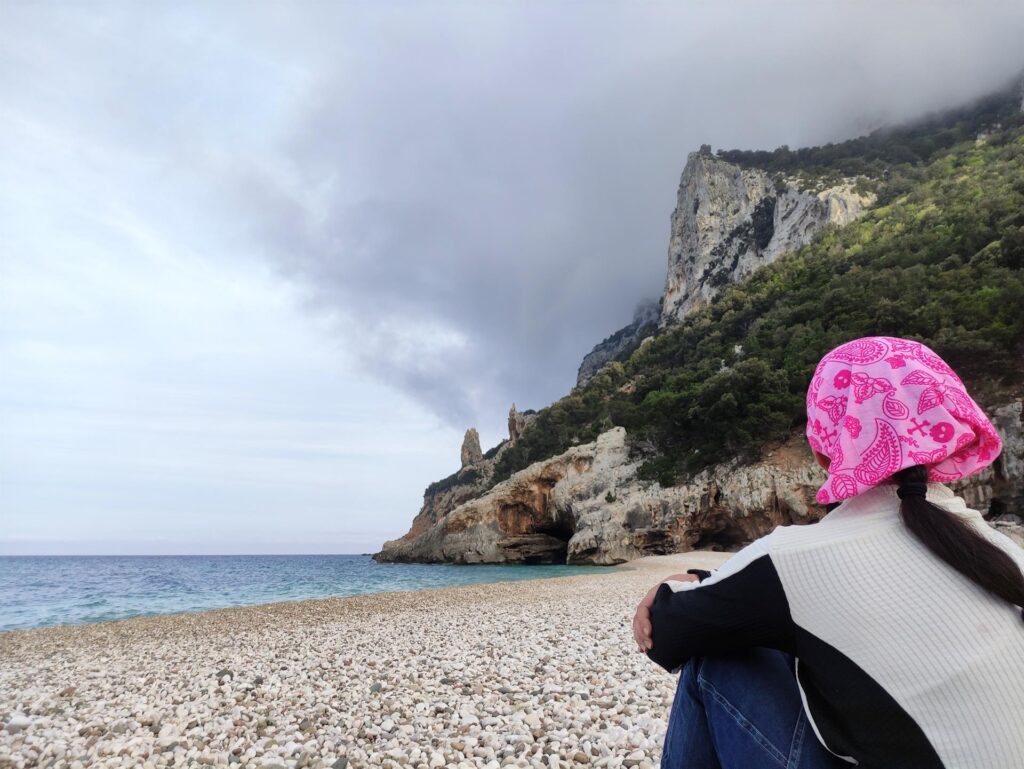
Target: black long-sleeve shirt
901, 661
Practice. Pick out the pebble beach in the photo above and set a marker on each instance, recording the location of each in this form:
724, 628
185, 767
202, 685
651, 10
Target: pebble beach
540, 673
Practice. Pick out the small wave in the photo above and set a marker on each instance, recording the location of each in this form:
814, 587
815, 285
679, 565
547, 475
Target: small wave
73, 590
166, 582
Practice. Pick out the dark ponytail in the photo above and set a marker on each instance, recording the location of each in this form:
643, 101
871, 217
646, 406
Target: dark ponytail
955, 541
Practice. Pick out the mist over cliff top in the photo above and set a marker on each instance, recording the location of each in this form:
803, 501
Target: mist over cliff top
483, 197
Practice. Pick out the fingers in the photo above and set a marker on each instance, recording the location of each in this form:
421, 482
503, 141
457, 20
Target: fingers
642, 630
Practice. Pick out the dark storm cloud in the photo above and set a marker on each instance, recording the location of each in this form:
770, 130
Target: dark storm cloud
482, 192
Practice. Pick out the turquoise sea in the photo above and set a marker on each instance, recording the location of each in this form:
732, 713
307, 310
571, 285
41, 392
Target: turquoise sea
37, 591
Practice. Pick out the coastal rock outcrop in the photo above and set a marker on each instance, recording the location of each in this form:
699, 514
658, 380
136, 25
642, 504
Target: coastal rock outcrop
730, 220
471, 479
471, 453
517, 422
587, 505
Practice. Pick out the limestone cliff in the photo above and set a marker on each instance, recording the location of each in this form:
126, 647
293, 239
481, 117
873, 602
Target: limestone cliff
587, 505
729, 221
471, 480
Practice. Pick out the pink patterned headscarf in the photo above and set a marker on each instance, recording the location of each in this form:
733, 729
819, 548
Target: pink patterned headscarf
878, 404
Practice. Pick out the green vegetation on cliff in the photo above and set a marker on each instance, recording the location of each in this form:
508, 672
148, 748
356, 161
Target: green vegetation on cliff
940, 260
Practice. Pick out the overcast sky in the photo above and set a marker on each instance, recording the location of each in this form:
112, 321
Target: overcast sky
262, 264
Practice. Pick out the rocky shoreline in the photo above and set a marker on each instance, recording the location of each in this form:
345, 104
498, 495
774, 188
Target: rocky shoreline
539, 673
588, 505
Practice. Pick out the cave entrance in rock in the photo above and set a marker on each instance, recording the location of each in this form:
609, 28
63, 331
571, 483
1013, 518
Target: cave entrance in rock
727, 540
561, 529
534, 536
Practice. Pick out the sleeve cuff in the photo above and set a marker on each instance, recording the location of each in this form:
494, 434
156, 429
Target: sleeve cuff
677, 586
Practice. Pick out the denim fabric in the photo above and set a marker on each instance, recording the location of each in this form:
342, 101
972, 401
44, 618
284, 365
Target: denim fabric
742, 711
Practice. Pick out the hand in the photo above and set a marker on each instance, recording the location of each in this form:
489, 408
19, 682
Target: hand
642, 618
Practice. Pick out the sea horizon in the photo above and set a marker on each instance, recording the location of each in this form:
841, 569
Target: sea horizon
49, 590
169, 555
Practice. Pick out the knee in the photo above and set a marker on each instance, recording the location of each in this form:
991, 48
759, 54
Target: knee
713, 671
746, 668
754, 660
744, 673
712, 668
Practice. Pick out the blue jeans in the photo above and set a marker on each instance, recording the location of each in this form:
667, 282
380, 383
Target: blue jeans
742, 711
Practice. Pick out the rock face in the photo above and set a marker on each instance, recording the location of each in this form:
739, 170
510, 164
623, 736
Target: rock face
470, 481
1008, 470
471, 453
1011, 526
516, 424
998, 490
587, 505
619, 345
729, 221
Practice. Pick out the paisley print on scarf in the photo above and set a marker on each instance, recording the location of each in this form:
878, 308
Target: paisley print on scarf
949, 433
960, 403
963, 442
834, 406
837, 456
895, 408
870, 349
937, 392
936, 474
865, 386
843, 486
927, 457
882, 458
921, 353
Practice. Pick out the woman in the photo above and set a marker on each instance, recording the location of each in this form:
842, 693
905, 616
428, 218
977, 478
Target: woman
890, 634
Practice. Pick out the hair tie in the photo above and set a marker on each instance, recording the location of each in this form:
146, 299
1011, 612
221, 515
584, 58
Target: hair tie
912, 489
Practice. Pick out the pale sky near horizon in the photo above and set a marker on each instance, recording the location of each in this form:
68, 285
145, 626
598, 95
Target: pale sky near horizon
261, 265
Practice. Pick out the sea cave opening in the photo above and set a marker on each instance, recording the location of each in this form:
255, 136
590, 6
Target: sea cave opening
727, 540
